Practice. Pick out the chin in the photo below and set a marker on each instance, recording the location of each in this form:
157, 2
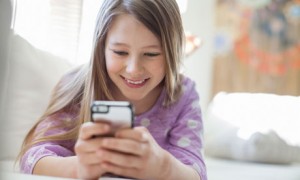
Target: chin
134, 95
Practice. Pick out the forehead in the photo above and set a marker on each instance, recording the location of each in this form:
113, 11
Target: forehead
126, 27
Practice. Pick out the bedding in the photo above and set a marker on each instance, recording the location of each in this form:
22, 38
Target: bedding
224, 169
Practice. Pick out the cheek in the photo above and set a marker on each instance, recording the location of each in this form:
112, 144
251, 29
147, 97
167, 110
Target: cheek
112, 65
160, 68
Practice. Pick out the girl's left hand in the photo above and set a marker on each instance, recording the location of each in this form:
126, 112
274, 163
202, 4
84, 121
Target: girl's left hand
134, 153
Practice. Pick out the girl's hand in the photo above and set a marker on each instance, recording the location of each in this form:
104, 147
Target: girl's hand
134, 153
86, 148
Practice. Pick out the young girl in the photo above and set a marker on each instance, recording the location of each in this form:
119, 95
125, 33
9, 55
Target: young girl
136, 57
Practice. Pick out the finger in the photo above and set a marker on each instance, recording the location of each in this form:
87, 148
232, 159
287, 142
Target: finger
121, 171
86, 146
137, 134
90, 129
124, 145
120, 159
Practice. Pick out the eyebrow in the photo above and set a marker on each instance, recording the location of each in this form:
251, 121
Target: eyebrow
124, 44
118, 44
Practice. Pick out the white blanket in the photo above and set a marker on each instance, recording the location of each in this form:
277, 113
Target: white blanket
221, 169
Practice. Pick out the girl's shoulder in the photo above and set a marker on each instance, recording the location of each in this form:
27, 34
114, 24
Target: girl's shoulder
188, 87
188, 91
188, 94
188, 99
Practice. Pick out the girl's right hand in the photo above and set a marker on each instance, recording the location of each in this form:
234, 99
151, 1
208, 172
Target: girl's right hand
89, 164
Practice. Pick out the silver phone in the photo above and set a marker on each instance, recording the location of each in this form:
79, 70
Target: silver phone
119, 114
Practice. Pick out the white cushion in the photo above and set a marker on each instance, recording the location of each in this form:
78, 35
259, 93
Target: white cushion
32, 76
253, 127
8, 166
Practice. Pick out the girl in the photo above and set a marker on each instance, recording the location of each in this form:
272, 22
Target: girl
136, 57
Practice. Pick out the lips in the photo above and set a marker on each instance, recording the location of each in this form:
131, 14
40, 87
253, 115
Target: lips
135, 83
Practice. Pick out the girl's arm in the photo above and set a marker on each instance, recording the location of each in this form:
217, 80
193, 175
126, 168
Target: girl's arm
34, 159
57, 166
52, 159
57, 158
49, 148
186, 135
178, 170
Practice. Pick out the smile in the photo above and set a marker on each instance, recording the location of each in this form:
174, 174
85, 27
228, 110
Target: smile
135, 82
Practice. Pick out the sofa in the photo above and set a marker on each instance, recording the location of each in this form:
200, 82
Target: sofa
247, 136
31, 75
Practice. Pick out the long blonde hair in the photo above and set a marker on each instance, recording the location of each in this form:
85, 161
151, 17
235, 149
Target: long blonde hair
81, 86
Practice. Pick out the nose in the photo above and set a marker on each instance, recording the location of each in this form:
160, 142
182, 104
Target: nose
134, 67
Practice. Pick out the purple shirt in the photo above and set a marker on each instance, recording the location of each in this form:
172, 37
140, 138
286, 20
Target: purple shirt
177, 129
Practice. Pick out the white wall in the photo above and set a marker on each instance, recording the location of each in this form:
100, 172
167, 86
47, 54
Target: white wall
198, 19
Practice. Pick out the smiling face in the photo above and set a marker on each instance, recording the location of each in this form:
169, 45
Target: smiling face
134, 60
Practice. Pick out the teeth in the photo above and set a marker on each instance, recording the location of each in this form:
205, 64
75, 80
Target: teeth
135, 82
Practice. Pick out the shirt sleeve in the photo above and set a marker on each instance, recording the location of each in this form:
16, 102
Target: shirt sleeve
186, 135
35, 153
48, 148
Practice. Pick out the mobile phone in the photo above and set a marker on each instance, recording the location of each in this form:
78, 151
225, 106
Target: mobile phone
119, 114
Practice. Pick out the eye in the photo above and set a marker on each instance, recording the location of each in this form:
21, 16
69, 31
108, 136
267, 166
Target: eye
120, 53
152, 54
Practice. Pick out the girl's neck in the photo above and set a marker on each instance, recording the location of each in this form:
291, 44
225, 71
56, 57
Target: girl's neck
145, 104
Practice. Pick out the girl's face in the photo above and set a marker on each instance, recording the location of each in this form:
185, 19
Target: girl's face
134, 60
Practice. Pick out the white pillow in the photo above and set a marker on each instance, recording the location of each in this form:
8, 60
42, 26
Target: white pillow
253, 127
32, 76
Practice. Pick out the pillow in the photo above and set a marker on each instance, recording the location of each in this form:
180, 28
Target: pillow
254, 127
32, 76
